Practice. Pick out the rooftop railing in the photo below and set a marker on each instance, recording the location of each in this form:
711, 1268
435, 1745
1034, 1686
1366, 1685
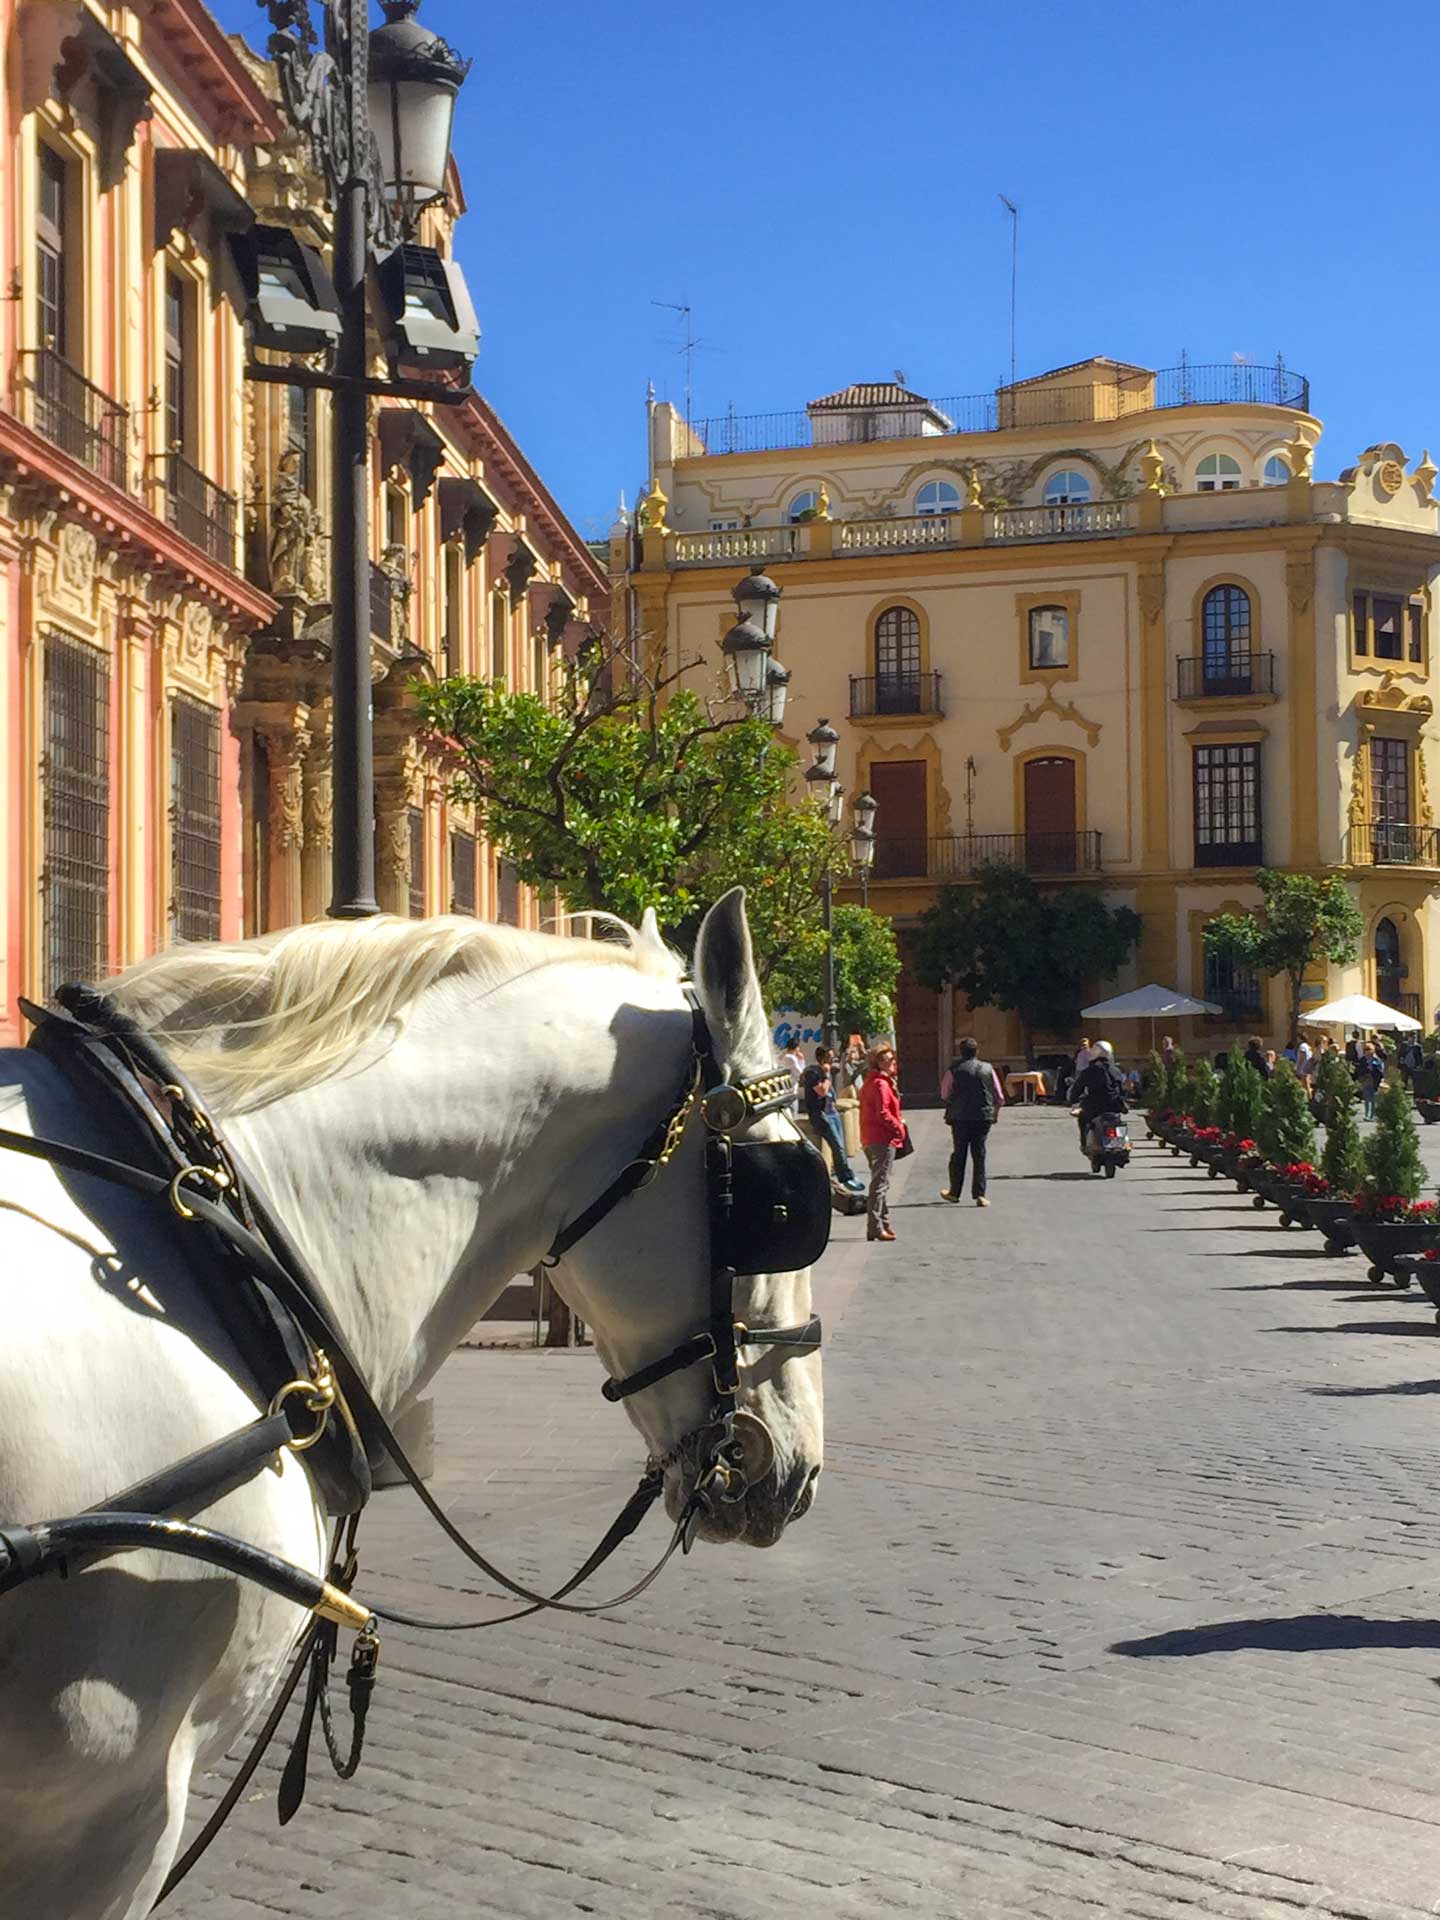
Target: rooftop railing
1225, 384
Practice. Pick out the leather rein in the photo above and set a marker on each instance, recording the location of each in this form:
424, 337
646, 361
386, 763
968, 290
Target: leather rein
208, 1188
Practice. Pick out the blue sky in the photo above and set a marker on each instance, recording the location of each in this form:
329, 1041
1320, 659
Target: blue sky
820, 184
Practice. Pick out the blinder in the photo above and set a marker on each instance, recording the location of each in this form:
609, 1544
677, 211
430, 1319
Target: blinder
779, 1217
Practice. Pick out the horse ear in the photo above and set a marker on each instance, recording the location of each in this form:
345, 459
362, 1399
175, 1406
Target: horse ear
729, 988
649, 931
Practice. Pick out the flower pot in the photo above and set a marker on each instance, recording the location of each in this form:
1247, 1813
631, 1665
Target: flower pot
1289, 1196
1334, 1217
1381, 1240
1427, 1272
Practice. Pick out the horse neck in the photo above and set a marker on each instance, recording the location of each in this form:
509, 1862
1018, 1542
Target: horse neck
420, 1185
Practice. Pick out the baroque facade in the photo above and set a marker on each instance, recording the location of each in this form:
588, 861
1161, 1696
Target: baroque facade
163, 545
1104, 624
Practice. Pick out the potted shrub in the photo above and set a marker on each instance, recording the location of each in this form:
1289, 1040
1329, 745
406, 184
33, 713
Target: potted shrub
1286, 1134
1204, 1096
1329, 1203
1424, 1267
1237, 1111
1390, 1217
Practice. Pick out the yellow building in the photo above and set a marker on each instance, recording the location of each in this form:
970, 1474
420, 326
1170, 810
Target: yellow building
1104, 624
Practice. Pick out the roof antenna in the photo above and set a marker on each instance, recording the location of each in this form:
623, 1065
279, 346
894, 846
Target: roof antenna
687, 347
1014, 213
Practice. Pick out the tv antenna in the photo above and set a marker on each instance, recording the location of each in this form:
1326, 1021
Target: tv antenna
1014, 213
687, 346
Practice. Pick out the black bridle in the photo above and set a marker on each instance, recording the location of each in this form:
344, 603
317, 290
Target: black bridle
743, 1180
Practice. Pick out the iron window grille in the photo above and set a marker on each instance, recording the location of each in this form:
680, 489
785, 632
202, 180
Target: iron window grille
1227, 806
75, 788
1235, 990
194, 820
462, 872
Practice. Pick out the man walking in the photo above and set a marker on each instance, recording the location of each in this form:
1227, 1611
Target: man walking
969, 1092
817, 1090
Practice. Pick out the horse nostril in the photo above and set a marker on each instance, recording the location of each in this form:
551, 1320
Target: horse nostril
806, 1497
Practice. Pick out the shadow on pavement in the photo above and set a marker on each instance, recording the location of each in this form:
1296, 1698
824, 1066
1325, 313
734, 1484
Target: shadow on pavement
1401, 1387
1042, 1176
1304, 1286
1292, 1633
1423, 1329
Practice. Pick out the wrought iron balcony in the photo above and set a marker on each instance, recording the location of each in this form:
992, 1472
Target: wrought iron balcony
894, 693
960, 856
1229, 853
1402, 1002
1394, 843
1228, 676
76, 416
199, 511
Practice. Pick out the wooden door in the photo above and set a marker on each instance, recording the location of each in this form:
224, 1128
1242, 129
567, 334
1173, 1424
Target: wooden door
901, 820
1050, 815
917, 1035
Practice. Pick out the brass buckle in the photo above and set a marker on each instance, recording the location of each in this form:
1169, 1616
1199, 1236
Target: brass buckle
217, 1176
321, 1393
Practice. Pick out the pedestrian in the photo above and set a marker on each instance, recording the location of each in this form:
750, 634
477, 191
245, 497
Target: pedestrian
793, 1058
817, 1090
1099, 1090
1255, 1054
1270, 1061
1369, 1072
1084, 1054
1167, 1051
882, 1131
971, 1092
1304, 1060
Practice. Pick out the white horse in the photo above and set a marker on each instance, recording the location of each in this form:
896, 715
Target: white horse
426, 1104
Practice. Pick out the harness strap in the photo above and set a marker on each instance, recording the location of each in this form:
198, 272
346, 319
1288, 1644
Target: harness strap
701, 1346
205, 1476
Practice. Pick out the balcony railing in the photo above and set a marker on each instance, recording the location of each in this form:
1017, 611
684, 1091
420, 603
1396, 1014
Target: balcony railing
739, 543
199, 511
1229, 853
1394, 843
1213, 677
1225, 384
959, 856
1057, 523
908, 533
78, 418
894, 693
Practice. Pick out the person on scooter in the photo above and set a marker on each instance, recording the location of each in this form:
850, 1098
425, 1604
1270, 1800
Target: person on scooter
1099, 1089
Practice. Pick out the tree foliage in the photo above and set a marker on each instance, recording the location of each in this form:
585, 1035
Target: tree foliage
1007, 943
1242, 1097
1333, 1081
1286, 1133
1343, 1161
1152, 1087
1392, 1153
1204, 1093
1303, 919
1177, 1080
867, 965
624, 791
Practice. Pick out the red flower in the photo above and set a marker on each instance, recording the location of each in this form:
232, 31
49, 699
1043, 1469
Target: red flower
1431, 1253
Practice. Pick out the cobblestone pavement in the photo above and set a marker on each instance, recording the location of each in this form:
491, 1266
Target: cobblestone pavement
1116, 1600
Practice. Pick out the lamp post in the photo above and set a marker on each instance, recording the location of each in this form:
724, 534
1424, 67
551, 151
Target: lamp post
752, 673
862, 840
407, 79
821, 778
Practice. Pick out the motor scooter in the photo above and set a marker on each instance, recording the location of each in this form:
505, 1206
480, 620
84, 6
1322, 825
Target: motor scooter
1107, 1143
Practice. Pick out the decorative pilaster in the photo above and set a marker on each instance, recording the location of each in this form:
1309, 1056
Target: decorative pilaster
283, 729
1154, 714
1304, 710
318, 815
392, 849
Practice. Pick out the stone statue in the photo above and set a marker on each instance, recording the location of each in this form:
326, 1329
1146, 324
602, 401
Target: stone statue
395, 562
294, 532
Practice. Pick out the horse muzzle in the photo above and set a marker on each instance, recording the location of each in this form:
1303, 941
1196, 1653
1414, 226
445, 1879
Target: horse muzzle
735, 1487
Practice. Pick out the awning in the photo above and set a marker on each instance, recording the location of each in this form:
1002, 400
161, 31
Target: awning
1359, 1010
1148, 1003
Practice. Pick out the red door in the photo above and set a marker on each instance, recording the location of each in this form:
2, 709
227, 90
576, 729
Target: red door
901, 820
917, 1035
1050, 815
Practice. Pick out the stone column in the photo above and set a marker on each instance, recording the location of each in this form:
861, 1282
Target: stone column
283, 729
318, 816
392, 827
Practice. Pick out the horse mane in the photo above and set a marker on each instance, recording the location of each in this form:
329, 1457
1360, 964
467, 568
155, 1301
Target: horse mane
251, 1020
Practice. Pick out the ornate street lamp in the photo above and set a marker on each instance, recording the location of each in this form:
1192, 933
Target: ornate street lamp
329, 98
863, 809
414, 80
825, 740
777, 685
747, 662
758, 598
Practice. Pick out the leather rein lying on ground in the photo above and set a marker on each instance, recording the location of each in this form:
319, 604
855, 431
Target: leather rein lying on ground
769, 1212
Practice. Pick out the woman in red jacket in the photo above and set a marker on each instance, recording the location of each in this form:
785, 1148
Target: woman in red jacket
882, 1130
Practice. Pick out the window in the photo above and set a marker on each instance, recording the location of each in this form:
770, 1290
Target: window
499, 636
1217, 473
1234, 989
1393, 837
1227, 806
937, 496
724, 526
1049, 637
1387, 627
417, 863
507, 893
1389, 966
453, 577
901, 792
1276, 473
75, 882
462, 873
397, 518
1067, 489
50, 251
802, 504
897, 661
194, 820
1225, 633
300, 436
176, 399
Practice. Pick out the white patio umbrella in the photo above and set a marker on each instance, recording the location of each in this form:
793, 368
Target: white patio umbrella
1359, 1010
1148, 1003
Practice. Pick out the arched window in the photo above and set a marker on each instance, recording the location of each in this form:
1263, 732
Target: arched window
1225, 632
1049, 637
937, 496
1277, 473
802, 504
1217, 473
897, 661
1067, 489
1389, 969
